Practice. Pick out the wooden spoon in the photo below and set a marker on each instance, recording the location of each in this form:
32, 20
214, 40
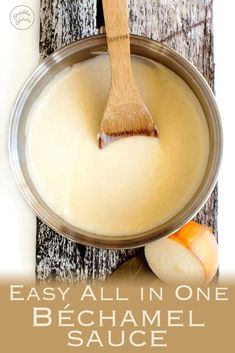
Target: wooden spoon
125, 113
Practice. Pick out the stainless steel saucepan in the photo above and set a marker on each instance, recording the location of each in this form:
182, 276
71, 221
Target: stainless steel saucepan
77, 52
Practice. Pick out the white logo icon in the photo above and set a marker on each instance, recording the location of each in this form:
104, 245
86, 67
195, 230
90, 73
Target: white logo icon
22, 17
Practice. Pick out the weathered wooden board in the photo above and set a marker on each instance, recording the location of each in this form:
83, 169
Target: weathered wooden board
183, 25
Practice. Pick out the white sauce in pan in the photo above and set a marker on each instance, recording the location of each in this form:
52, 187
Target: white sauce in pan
133, 184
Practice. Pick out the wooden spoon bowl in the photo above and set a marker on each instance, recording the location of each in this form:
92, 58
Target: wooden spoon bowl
125, 113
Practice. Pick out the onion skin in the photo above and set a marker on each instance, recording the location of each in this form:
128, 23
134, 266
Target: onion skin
202, 243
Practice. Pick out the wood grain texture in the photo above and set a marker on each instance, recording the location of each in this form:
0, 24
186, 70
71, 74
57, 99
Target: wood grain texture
125, 113
185, 26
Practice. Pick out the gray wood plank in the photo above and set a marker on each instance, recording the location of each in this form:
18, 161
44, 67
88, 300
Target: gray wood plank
185, 26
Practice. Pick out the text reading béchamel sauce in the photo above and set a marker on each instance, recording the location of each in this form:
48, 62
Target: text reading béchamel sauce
113, 325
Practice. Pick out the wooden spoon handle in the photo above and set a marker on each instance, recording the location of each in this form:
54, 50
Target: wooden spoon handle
118, 38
